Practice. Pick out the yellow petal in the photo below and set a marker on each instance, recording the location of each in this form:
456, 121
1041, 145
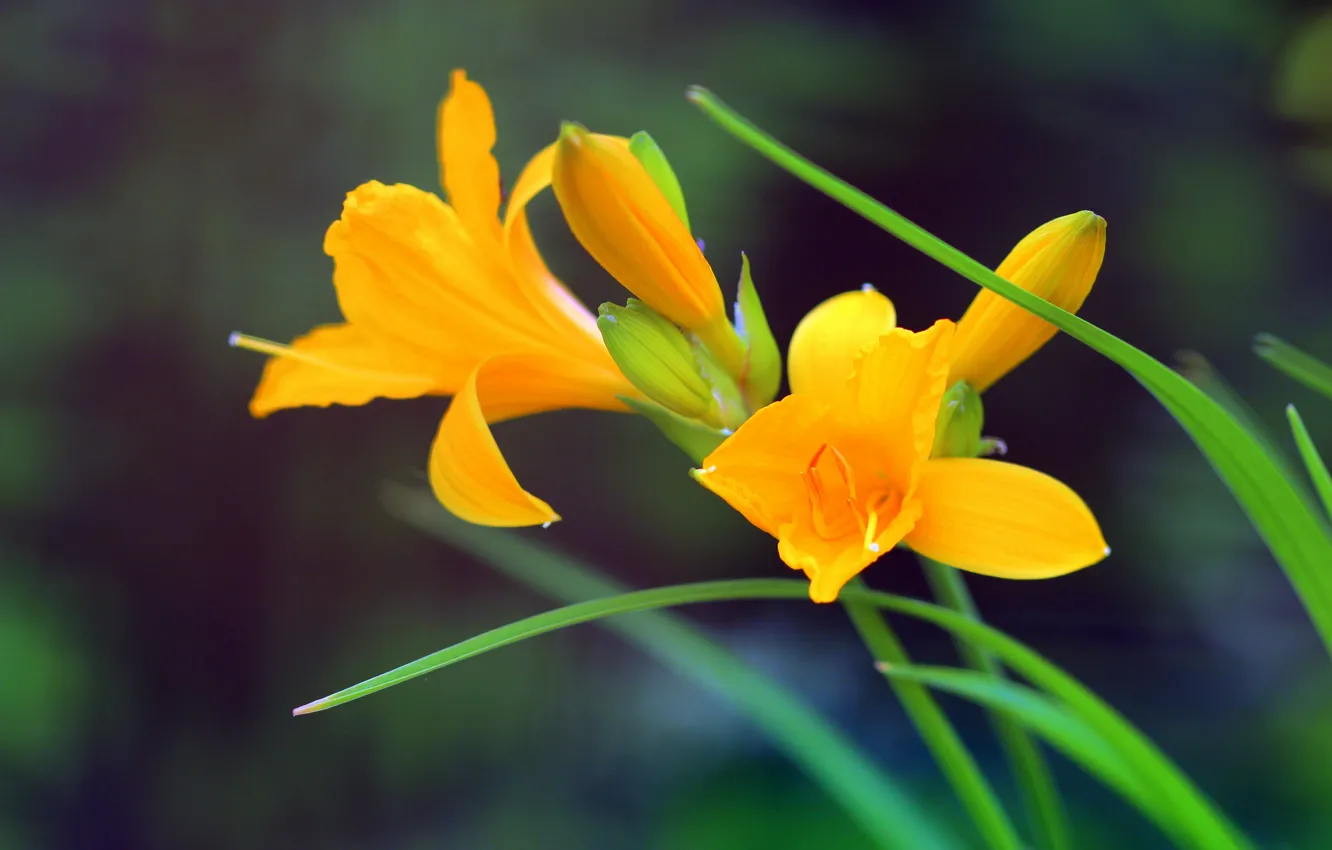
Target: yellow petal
625, 222
467, 472
1004, 520
339, 364
1059, 262
560, 308
830, 564
757, 469
471, 177
405, 268
894, 398
830, 339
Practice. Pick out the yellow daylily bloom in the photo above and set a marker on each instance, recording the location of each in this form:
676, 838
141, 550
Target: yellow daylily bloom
840, 470
448, 299
624, 220
1058, 261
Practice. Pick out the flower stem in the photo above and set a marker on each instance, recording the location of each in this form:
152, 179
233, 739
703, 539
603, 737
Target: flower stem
951, 754
1040, 794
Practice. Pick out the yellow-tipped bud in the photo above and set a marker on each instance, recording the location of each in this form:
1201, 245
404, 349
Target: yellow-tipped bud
622, 218
1057, 261
655, 356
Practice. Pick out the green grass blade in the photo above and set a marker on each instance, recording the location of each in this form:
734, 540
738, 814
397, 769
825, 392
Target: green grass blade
869, 796
1305, 368
1298, 536
954, 759
1194, 814
1203, 375
1313, 461
886, 812
1057, 725
1040, 795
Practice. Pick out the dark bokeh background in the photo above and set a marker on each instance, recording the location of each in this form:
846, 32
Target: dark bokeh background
175, 576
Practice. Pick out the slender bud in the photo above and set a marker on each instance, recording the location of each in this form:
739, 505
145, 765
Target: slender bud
957, 430
1059, 262
622, 218
657, 358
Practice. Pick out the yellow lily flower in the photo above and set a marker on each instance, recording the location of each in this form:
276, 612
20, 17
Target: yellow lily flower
840, 470
1058, 261
447, 299
625, 221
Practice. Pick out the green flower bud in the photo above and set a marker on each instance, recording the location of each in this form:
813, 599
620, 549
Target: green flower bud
657, 358
957, 431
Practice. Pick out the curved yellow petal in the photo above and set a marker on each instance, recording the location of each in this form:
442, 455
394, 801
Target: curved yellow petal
1058, 261
757, 469
467, 472
560, 308
625, 222
1003, 520
468, 171
339, 364
830, 339
894, 398
405, 267
831, 563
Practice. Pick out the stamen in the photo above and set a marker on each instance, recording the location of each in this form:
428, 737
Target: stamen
814, 490
872, 526
254, 343
277, 349
847, 474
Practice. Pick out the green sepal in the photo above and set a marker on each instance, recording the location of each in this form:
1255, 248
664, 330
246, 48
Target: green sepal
764, 376
695, 438
957, 430
732, 410
657, 359
646, 151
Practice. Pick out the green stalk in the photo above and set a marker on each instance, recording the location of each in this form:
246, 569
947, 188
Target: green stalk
952, 755
1040, 795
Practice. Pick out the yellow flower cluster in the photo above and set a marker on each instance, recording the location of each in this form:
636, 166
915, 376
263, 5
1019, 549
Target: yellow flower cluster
454, 299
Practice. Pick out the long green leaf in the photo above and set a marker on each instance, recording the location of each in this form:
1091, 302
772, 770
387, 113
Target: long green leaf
885, 811
1040, 795
1305, 368
822, 751
1313, 461
1298, 536
1056, 724
936, 730
1194, 814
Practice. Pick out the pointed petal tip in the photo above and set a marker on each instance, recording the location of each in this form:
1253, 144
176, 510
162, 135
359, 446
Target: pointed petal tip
572, 132
1086, 220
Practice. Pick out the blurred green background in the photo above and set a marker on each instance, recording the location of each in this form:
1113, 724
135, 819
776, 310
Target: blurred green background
175, 576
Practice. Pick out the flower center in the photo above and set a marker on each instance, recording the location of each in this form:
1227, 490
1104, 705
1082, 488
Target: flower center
837, 507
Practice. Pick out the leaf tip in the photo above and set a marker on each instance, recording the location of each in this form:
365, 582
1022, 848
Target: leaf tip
310, 707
